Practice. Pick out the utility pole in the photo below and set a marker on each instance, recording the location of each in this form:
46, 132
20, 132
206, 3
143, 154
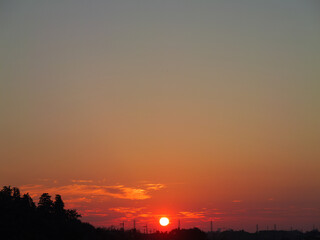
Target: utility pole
122, 226
257, 228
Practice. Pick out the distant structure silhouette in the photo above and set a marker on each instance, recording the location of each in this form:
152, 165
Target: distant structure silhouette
122, 226
146, 228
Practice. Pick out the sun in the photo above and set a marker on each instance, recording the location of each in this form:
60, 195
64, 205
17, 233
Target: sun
164, 221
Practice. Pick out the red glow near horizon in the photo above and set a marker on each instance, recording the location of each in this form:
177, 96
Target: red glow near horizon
107, 205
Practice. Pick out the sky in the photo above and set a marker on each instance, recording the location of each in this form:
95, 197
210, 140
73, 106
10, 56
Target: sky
195, 110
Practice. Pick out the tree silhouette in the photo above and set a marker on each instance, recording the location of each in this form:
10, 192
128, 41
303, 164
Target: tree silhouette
20, 218
16, 193
72, 214
58, 206
45, 203
6, 192
27, 201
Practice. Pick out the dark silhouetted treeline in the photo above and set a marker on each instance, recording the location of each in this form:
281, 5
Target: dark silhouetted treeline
264, 235
22, 219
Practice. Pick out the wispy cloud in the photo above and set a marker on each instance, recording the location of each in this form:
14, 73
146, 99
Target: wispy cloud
152, 186
130, 212
126, 209
83, 190
95, 213
192, 214
82, 181
219, 213
91, 199
145, 215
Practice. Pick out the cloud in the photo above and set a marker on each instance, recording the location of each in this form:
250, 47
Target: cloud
131, 193
98, 202
192, 214
126, 209
237, 201
95, 213
91, 200
82, 190
82, 181
78, 200
219, 213
145, 215
152, 186
130, 212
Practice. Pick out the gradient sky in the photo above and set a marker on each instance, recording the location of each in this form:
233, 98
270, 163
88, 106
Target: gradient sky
197, 110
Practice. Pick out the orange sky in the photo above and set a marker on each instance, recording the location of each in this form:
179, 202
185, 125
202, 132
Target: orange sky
198, 111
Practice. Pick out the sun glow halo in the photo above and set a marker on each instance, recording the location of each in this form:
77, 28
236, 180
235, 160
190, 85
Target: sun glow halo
164, 221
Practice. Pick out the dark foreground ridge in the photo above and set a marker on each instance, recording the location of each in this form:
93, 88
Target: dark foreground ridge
21, 219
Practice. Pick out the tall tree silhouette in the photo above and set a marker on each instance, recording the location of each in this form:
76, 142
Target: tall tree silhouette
16, 193
27, 201
45, 203
20, 218
58, 207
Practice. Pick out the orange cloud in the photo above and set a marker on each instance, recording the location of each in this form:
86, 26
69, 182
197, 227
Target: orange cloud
219, 213
126, 209
152, 186
117, 191
192, 214
145, 215
82, 181
91, 199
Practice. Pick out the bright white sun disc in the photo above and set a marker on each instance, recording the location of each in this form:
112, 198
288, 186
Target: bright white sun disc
164, 221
